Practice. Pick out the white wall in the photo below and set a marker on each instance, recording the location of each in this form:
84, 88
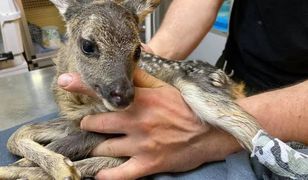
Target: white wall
211, 47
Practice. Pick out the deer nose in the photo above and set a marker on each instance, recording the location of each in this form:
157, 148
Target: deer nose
116, 95
121, 93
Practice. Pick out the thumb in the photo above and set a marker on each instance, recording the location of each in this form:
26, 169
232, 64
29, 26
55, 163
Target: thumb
72, 82
145, 80
131, 169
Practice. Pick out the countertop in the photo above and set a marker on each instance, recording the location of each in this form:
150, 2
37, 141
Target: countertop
25, 97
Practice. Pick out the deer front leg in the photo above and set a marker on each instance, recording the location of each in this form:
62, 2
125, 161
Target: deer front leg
75, 146
24, 142
88, 168
56, 165
43, 133
30, 173
23, 163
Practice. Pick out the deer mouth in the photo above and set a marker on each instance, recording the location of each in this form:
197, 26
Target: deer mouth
115, 99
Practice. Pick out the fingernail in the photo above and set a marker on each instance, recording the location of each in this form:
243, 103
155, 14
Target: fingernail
64, 80
82, 121
81, 125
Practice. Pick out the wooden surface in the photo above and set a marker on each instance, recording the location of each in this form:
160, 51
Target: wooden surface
47, 15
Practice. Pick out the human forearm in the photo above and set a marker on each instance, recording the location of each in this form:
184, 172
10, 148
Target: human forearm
184, 26
283, 113
217, 145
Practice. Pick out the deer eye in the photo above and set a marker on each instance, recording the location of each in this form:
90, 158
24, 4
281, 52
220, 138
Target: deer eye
88, 47
137, 53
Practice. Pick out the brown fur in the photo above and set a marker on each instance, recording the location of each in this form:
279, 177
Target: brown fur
238, 91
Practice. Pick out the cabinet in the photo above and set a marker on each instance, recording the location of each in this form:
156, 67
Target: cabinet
12, 60
37, 16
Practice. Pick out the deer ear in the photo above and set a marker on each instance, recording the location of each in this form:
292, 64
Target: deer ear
61, 5
141, 7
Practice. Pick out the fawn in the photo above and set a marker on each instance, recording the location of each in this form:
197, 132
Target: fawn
104, 48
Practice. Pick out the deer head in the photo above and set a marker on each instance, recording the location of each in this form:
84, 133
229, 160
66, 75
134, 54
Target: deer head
104, 44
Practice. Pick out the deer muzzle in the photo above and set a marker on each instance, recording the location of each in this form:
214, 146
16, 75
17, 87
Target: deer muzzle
117, 95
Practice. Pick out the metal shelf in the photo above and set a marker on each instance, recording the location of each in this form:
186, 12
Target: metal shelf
8, 69
43, 60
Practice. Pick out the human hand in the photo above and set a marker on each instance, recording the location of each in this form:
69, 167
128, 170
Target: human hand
162, 134
147, 48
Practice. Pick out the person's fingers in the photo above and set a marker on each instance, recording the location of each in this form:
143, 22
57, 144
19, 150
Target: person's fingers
131, 169
145, 80
111, 122
72, 82
146, 48
115, 147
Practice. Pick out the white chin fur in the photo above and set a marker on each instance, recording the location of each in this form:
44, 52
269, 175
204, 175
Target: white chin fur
112, 108
109, 106
105, 102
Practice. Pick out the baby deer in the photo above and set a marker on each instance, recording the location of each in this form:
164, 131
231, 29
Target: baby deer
104, 48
